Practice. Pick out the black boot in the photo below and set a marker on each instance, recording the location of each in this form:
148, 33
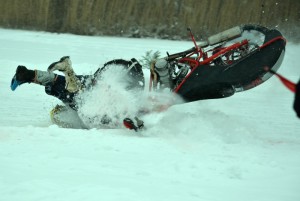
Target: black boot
24, 75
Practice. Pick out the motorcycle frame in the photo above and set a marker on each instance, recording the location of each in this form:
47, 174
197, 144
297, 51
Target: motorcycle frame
203, 58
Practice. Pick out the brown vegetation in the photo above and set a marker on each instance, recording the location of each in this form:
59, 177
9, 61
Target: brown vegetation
154, 18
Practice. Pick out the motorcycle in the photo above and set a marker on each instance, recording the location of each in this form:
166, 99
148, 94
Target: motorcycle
234, 60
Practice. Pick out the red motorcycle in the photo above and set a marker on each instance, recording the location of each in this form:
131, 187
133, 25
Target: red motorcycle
232, 61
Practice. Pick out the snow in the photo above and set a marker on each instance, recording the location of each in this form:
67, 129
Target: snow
245, 147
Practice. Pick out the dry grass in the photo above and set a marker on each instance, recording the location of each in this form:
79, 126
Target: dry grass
162, 18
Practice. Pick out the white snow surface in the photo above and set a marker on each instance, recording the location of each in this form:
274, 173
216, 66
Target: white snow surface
245, 147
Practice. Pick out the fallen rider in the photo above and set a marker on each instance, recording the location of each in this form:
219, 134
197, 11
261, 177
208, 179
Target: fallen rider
66, 87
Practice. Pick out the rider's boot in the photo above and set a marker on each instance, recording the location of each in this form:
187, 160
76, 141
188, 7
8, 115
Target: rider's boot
65, 65
24, 75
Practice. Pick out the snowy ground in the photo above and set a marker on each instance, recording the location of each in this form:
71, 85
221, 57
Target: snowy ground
245, 147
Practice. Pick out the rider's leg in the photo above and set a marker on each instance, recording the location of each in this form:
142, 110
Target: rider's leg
24, 75
54, 84
65, 65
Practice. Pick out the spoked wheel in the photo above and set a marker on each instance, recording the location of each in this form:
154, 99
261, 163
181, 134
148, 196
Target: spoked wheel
130, 70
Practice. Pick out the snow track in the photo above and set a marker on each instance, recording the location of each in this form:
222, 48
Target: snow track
245, 147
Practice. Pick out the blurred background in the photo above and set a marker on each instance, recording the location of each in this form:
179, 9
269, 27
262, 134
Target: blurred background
166, 19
